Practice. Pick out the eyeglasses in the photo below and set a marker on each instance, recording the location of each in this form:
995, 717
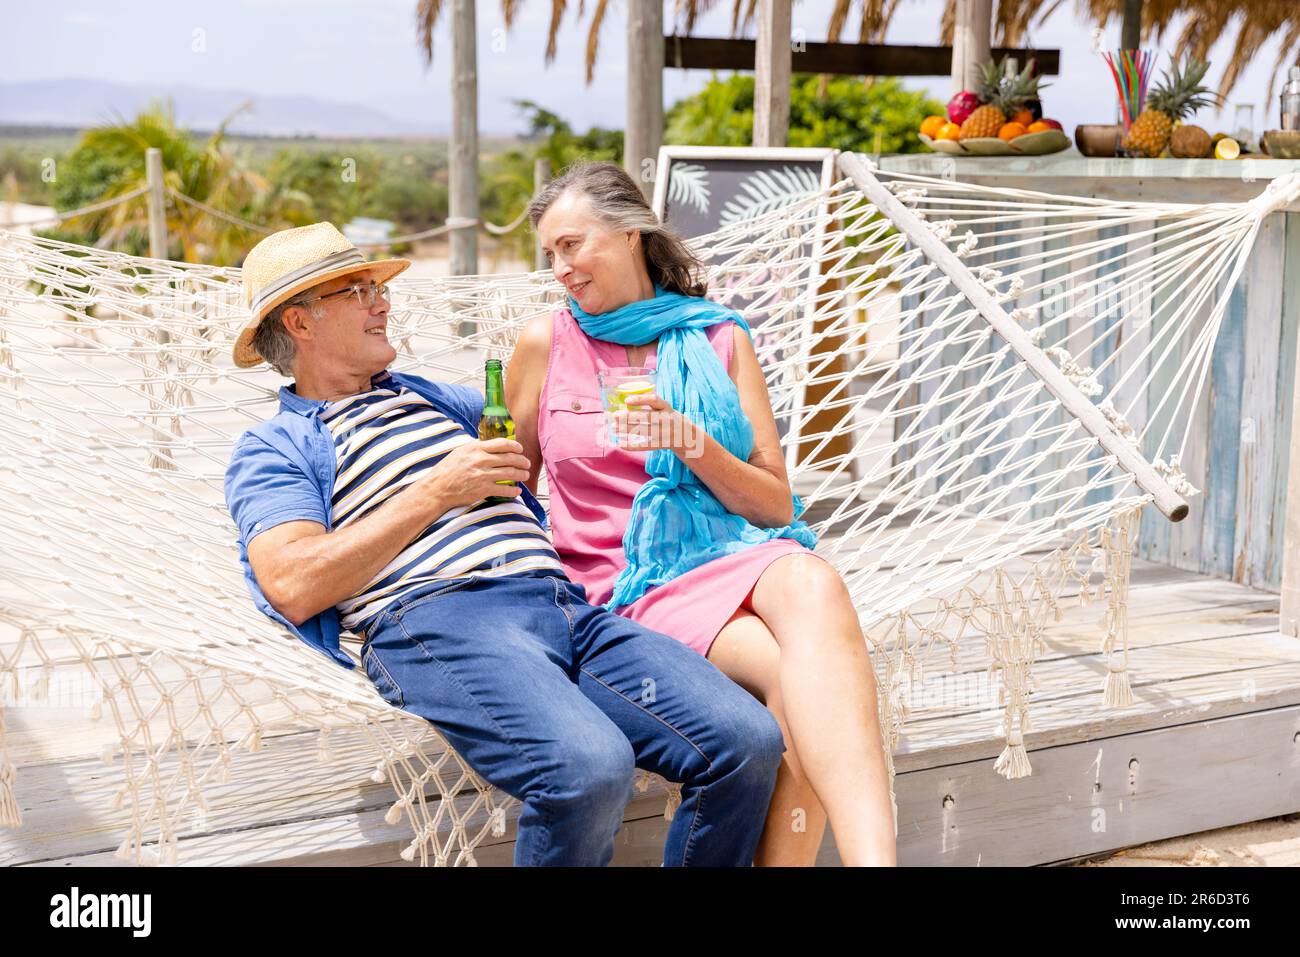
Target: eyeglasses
366, 293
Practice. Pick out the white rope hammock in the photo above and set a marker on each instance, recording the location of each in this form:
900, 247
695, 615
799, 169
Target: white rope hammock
978, 390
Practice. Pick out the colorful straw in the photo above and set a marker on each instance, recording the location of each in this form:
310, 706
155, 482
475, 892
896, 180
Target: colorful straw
1131, 71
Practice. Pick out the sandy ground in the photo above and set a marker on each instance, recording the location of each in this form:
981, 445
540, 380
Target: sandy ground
15, 216
431, 257
1274, 842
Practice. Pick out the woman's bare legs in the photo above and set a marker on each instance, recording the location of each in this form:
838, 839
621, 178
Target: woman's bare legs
828, 695
747, 653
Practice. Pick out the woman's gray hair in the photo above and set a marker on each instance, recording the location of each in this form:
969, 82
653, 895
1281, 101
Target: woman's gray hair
618, 203
272, 341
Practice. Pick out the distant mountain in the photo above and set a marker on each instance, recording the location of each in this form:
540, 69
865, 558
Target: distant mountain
80, 103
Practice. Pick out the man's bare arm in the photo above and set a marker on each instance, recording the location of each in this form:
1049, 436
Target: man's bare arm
303, 570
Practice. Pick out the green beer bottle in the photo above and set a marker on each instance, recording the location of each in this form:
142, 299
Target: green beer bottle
496, 422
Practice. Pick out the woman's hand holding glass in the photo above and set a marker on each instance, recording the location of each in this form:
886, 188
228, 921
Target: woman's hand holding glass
649, 423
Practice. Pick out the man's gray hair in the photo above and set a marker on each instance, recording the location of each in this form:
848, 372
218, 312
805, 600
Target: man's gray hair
273, 342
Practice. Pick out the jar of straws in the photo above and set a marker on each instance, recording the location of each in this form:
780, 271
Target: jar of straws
1131, 71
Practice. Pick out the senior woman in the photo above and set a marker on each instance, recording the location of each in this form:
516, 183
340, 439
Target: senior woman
688, 524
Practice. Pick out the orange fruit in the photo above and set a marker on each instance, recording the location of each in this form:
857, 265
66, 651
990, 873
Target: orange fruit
1010, 131
1040, 126
931, 124
949, 131
1024, 118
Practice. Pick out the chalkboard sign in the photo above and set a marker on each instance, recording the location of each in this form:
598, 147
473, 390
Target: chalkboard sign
699, 189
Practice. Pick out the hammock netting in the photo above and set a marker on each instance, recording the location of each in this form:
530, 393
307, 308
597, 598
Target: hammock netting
978, 390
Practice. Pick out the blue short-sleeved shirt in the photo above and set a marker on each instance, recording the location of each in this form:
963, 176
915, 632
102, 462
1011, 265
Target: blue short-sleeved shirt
282, 470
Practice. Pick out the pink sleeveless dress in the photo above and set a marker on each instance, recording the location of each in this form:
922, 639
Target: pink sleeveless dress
592, 482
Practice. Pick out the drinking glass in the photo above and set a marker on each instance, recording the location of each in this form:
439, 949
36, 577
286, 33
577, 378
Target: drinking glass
616, 384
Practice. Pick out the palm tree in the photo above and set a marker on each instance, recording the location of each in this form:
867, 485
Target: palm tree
428, 11
207, 171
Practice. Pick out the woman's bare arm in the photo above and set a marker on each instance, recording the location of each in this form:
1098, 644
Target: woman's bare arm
525, 376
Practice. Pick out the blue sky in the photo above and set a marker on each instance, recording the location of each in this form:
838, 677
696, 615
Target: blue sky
366, 52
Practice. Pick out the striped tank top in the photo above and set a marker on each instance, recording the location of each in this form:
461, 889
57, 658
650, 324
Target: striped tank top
386, 439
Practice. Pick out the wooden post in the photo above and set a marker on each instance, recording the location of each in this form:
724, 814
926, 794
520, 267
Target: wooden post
1131, 26
1289, 613
645, 93
1289, 616
463, 211
10, 190
970, 42
157, 197
772, 55
157, 201
541, 176
463, 173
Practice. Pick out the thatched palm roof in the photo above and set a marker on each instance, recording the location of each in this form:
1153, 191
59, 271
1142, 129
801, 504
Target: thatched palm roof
1199, 23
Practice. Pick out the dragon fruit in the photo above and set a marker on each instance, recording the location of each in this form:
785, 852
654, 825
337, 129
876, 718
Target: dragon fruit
962, 105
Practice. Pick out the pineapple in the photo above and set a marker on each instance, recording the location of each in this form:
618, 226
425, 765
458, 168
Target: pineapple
1003, 95
1177, 98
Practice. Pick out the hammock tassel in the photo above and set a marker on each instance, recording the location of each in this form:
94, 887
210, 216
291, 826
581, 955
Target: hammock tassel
41, 689
123, 852
1117, 693
497, 820
1013, 762
670, 807
160, 463
395, 812
11, 814
324, 753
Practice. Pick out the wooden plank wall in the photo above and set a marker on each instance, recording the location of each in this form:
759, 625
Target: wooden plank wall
1112, 330
1238, 449
1240, 439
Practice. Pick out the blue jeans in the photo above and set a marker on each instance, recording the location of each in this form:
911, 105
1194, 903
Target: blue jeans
554, 701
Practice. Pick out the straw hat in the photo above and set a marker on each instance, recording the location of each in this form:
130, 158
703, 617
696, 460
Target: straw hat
293, 260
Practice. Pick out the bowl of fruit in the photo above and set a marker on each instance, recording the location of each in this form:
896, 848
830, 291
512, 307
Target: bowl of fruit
1001, 117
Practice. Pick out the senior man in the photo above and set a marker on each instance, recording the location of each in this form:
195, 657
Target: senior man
364, 505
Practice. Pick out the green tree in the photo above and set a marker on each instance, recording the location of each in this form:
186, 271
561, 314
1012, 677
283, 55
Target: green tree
20, 177
333, 186
506, 185
849, 115
109, 161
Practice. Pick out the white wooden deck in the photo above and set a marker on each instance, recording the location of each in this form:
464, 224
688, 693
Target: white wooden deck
1210, 741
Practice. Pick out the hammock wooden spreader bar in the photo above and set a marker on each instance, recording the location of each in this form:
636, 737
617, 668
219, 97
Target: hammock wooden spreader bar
1170, 503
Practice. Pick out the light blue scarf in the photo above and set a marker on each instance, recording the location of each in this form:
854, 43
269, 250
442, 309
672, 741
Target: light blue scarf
677, 524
